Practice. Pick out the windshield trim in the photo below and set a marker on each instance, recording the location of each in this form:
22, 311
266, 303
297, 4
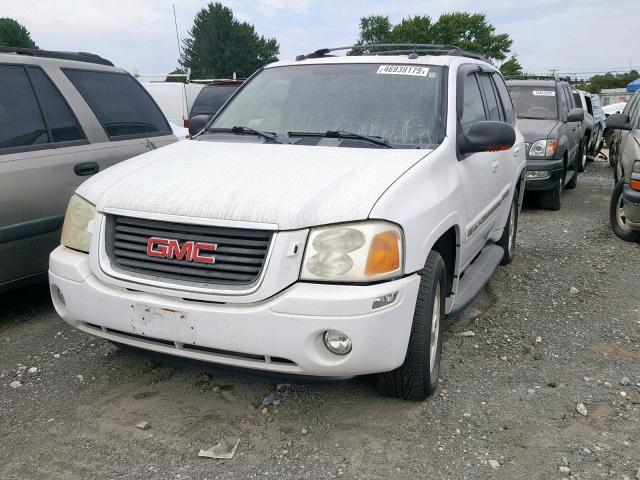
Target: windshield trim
442, 114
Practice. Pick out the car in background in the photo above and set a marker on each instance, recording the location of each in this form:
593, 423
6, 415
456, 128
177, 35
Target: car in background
624, 212
583, 100
213, 96
614, 108
63, 117
175, 99
599, 126
551, 123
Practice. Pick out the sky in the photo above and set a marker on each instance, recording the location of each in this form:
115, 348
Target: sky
565, 35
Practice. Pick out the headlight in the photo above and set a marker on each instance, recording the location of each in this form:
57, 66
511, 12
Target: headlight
354, 252
544, 148
76, 231
636, 167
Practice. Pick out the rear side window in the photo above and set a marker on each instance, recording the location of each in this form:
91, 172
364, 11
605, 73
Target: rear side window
211, 99
21, 122
564, 103
472, 108
61, 122
493, 108
121, 104
507, 104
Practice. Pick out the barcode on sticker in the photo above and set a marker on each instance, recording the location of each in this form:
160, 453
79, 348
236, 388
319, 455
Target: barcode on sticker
544, 93
403, 70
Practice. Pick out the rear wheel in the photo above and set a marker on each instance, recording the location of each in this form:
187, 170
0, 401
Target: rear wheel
417, 377
618, 218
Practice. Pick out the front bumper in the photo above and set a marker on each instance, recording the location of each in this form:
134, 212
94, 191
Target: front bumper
553, 169
631, 206
281, 334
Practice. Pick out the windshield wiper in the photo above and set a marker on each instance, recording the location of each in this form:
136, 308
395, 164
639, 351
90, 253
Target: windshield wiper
238, 129
342, 134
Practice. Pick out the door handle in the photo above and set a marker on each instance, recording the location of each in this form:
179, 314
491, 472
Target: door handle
494, 166
85, 169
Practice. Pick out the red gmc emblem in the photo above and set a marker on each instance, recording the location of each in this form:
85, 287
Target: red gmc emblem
189, 251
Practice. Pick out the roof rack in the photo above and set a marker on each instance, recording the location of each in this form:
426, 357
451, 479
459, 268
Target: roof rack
76, 56
530, 77
412, 49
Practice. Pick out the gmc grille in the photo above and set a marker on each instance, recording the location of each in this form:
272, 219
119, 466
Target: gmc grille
239, 258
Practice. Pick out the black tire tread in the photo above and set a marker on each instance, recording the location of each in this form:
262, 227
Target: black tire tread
626, 235
408, 381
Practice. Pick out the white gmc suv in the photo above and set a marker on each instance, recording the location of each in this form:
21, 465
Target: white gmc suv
323, 223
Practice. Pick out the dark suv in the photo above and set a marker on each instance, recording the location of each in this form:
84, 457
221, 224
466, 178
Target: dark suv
551, 123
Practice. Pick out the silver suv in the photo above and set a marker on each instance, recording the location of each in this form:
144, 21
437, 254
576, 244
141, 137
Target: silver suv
63, 117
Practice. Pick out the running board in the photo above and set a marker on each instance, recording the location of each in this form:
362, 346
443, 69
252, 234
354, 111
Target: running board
476, 277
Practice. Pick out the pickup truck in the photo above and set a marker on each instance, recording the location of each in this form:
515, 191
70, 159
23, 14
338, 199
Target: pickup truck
551, 123
323, 223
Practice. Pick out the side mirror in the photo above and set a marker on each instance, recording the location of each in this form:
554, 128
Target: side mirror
197, 123
487, 136
619, 121
575, 115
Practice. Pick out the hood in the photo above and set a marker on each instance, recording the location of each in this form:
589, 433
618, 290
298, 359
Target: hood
534, 129
289, 186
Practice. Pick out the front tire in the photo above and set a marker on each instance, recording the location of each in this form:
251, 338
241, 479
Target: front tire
417, 377
552, 199
618, 219
581, 162
508, 239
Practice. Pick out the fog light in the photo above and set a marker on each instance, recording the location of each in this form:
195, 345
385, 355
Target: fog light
337, 342
536, 174
384, 300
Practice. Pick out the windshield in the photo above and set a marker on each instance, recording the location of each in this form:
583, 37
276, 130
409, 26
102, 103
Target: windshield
400, 104
534, 102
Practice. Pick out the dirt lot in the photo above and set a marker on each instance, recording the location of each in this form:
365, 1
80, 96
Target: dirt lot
506, 407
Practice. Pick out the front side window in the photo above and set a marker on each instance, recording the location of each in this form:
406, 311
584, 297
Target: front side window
534, 102
401, 104
21, 122
507, 104
121, 104
211, 98
472, 108
61, 122
493, 108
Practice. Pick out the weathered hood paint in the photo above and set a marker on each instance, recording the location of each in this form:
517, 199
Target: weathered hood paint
287, 185
533, 130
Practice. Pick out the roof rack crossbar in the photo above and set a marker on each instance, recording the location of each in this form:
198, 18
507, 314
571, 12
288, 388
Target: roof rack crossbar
398, 48
75, 56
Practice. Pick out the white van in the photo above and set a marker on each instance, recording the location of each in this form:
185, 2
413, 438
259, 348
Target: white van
174, 99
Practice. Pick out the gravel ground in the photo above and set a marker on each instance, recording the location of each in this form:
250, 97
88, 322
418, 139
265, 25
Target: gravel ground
506, 407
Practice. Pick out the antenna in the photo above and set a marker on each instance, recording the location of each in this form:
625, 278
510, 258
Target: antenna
175, 20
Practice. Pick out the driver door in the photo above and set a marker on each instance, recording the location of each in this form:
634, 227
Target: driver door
479, 172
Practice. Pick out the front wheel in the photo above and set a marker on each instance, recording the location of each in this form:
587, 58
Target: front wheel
417, 377
581, 162
618, 218
508, 239
552, 199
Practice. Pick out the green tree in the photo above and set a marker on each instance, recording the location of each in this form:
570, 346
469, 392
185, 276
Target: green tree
12, 34
218, 45
511, 67
609, 80
465, 30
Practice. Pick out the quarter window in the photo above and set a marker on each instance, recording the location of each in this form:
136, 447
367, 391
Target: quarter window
120, 103
493, 108
472, 108
21, 123
61, 122
507, 104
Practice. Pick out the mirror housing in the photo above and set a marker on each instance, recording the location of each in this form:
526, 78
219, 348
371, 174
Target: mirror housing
619, 121
487, 136
575, 115
197, 123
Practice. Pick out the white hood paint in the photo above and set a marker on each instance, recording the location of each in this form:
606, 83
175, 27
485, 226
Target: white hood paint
287, 185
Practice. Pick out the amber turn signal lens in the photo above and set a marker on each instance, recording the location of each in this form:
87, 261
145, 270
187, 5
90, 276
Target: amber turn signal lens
635, 185
384, 254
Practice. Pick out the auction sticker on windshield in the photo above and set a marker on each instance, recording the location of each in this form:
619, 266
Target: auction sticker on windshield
544, 93
403, 70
